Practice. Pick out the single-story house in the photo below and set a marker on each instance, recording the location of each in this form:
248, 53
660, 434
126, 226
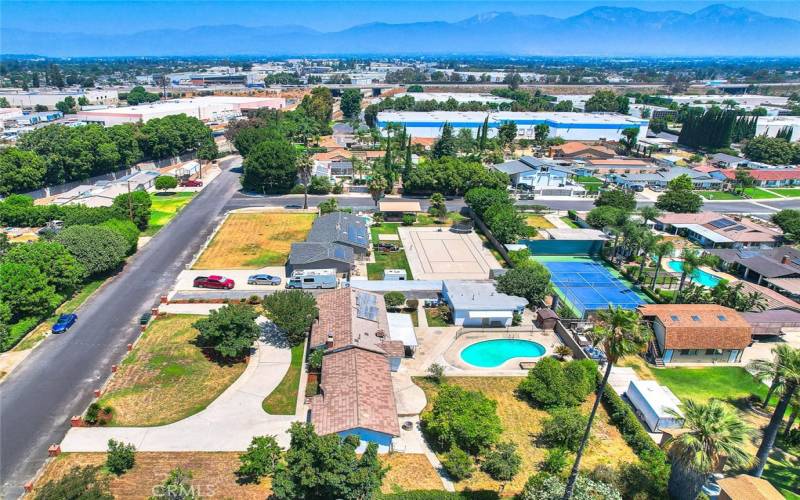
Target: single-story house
759, 264
769, 177
575, 149
747, 487
395, 210
479, 304
723, 160
654, 403
712, 230
697, 333
620, 166
661, 178
654, 145
309, 255
342, 228
540, 174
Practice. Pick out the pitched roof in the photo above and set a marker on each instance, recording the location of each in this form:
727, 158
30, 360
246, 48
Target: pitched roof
351, 316
700, 326
772, 174
627, 162
774, 299
746, 487
340, 227
357, 392
768, 262
308, 252
738, 230
574, 147
724, 157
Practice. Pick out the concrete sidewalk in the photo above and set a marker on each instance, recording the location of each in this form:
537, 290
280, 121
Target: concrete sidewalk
227, 424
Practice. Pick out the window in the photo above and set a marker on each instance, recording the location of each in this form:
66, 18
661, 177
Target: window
685, 352
695, 318
673, 318
710, 352
722, 318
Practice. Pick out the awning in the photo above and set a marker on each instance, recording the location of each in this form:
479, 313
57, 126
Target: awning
705, 232
491, 314
402, 328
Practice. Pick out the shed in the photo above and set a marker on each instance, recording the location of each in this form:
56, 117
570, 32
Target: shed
395, 274
546, 318
652, 403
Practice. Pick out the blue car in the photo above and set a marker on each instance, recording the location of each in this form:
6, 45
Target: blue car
65, 321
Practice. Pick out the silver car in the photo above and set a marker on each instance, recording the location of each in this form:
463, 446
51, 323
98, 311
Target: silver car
264, 279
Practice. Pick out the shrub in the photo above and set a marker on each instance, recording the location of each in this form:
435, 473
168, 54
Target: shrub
564, 428
121, 457
315, 359
409, 219
260, 459
92, 413
292, 311
138, 203
543, 486
319, 185
297, 189
394, 299
25, 291
555, 460
164, 182
436, 372
503, 462
458, 464
99, 249
127, 230
462, 418
551, 384
253, 300
338, 188
572, 214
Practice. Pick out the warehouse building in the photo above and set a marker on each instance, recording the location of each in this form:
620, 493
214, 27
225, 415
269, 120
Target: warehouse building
211, 108
569, 126
459, 97
771, 125
31, 99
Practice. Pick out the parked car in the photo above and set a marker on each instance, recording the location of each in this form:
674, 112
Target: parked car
263, 279
213, 282
637, 188
65, 321
388, 247
191, 183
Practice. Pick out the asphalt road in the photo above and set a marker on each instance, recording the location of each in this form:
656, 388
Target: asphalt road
57, 379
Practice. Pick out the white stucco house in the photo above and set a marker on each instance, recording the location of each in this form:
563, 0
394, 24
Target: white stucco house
479, 304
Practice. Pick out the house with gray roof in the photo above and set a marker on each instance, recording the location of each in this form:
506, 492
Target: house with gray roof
662, 177
479, 304
309, 255
761, 265
724, 160
540, 174
342, 228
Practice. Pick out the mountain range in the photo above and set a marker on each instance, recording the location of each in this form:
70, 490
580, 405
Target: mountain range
717, 30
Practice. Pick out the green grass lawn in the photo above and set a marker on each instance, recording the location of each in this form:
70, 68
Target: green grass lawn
718, 195
783, 474
758, 194
788, 192
589, 179
164, 208
570, 222
727, 383
283, 400
385, 228
432, 315
427, 220
388, 260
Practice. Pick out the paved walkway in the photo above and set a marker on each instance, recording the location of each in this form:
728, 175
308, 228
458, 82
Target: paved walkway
227, 424
410, 398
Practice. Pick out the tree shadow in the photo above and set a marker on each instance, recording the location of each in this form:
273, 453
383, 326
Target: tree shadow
272, 335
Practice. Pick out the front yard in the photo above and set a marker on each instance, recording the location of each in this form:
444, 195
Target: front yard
539, 222
522, 423
255, 240
166, 377
787, 192
718, 195
165, 206
283, 400
759, 194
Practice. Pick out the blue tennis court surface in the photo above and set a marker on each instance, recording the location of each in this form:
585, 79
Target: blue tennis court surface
589, 286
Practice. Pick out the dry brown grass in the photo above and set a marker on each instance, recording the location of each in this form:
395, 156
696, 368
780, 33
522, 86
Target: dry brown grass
409, 471
522, 423
252, 241
539, 222
213, 474
166, 377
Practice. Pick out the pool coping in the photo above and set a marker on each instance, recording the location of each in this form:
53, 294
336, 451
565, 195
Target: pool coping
717, 274
546, 338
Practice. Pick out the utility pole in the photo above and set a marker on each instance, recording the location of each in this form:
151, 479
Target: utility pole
130, 202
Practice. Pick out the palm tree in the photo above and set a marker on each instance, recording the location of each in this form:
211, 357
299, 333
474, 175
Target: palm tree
661, 249
649, 241
788, 363
377, 186
305, 167
792, 416
692, 260
621, 333
764, 369
648, 214
714, 431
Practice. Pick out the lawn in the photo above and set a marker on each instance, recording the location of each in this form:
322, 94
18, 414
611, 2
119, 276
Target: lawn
427, 220
166, 377
255, 240
433, 318
213, 473
387, 260
283, 400
521, 423
570, 222
164, 208
758, 194
783, 474
385, 228
718, 195
539, 222
788, 192
588, 179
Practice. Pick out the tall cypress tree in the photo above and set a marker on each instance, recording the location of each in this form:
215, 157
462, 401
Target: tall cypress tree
408, 164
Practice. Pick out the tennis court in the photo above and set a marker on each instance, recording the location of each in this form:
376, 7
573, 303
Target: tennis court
588, 286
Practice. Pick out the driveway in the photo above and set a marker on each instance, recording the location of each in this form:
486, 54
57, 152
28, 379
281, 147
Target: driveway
239, 276
228, 424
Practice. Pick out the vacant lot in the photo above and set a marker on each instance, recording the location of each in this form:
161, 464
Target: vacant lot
166, 377
164, 208
522, 423
539, 222
252, 241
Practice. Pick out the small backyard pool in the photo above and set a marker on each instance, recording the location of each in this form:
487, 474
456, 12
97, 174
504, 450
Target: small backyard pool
698, 275
493, 353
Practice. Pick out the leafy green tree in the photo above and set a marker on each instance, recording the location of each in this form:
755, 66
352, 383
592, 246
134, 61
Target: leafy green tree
617, 198
564, 428
437, 207
282, 78
394, 299
452, 176
377, 186
507, 133
446, 144
414, 88
127, 230
138, 95
121, 457
246, 139
606, 216
20, 171
318, 105
540, 133
531, 282
4, 103
714, 431
503, 462
351, 103
53, 261
260, 460
771, 150
320, 185
328, 206
479, 199
743, 180
26, 292
606, 101
465, 143
80, 483
271, 167
458, 464
68, 106
506, 223
551, 384
463, 419
513, 80
293, 312
789, 222
166, 182
230, 330
679, 197
320, 467
629, 138
133, 206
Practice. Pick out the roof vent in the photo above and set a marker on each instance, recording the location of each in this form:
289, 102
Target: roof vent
380, 334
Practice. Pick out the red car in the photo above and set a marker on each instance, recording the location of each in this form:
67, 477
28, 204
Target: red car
213, 282
191, 183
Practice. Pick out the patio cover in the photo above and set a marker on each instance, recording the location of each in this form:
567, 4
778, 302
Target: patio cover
491, 314
402, 328
705, 232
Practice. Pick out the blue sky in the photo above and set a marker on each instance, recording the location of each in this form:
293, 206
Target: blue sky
128, 16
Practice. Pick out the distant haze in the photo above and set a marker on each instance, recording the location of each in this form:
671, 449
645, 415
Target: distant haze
715, 30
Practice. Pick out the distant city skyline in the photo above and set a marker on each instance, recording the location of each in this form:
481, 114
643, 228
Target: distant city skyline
124, 17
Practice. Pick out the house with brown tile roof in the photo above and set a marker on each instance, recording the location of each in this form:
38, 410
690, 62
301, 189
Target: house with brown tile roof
697, 333
575, 149
713, 230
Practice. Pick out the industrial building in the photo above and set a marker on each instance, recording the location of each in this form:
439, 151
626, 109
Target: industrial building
771, 125
745, 101
459, 97
569, 126
211, 108
33, 98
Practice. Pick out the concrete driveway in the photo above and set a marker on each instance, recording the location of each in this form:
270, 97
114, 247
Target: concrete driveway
186, 277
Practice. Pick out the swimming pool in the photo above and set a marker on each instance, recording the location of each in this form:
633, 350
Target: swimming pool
698, 276
492, 353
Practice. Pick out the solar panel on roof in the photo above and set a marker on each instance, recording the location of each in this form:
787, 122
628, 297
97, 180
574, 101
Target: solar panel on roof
737, 227
722, 223
339, 253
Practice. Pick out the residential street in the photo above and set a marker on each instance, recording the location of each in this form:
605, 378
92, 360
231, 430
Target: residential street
56, 381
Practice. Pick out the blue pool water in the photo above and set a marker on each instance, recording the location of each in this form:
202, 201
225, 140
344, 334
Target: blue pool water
698, 276
491, 353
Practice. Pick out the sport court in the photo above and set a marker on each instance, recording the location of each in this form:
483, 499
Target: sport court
435, 253
588, 286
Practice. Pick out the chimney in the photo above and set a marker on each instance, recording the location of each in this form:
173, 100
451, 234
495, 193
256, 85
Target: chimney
329, 341
380, 334
785, 259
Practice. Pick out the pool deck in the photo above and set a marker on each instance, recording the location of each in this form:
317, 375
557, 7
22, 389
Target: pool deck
718, 274
458, 366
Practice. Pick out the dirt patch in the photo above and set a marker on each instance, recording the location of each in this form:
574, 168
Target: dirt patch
252, 241
166, 377
409, 471
213, 474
